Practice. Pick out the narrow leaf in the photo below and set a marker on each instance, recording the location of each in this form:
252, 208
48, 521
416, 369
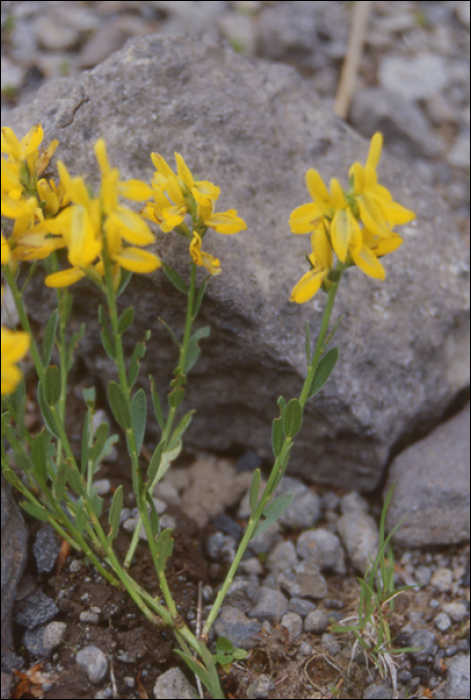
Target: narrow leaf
292, 418
272, 512
180, 429
49, 337
115, 512
106, 339
74, 478
46, 412
101, 436
138, 417
125, 320
119, 405
175, 279
155, 462
85, 442
171, 333
199, 296
194, 350
156, 403
277, 436
36, 511
72, 345
254, 491
164, 548
138, 353
324, 370
126, 276
52, 385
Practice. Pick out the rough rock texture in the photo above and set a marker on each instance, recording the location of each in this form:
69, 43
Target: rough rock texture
432, 487
14, 553
254, 129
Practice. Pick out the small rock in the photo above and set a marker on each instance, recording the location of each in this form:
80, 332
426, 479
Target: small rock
103, 486
93, 660
456, 610
35, 610
301, 606
305, 507
261, 687
360, 536
442, 622
282, 557
46, 548
330, 641
323, 548
43, 639
424, 640
353, 502
458, 685
304, 581
243, 593
293, 623
173, 685
316, 622
233, 624
414, 77
462, 12
222, 547
305, 649
378, 691
442, 579
271, 605
266, 540
89, 617
458, 155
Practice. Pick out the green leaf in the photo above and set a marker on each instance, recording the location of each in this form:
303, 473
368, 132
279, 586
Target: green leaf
155, 462
284, 461
125, 320
68, 301
254, 490
74, 478
138, 353
171, 333
52, 385
272, 512
164, 548
58, 486
85, 441
308, 345
277, 436
324, 370
175, 279
126, 276
101, 437
196, 667
72, 345
46, 412
119, 405
89, 396
36, 511
166, 460
292, 418
39, 460
156, 403
193, 349
240, 653
282, 404
138, 417
95, 501
154, 523
224, 645
115, 513
106, 338
49, 337
199, 296
180, 429
81, 515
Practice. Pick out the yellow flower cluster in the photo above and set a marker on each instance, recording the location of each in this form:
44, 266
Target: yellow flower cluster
93, 224
14, 346
176, 195
356, 225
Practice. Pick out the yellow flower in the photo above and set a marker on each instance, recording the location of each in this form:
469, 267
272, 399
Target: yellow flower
321, 260
14, 346
26, 150
201, 258
377, 209
84, 224
308, 217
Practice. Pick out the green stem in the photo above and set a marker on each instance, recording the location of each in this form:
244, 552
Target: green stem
24, 320
280, 463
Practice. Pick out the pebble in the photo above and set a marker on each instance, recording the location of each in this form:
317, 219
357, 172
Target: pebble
237, 627
316, 622
35, 610
271, 605
301, 606
359, 534
456, 610
377, 691
261, 687
442, 622
304, 581
305, 508
293, 623
416, 77
243, 593
42, 640
93, 660
46, 548
173, 684
424, 639
442, 580
323, 548
282, 557
458, 684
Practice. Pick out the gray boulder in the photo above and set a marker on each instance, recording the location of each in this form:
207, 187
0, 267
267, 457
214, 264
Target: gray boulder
254, 129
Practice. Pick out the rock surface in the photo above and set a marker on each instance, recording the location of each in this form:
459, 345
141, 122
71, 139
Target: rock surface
432, 487
254, 129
